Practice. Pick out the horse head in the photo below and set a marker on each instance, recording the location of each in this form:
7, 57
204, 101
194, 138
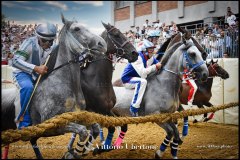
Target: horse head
188, 35
216, 70
79, 38
193, 58
119, 44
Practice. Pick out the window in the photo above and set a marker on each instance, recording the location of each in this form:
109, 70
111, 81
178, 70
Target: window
121, 4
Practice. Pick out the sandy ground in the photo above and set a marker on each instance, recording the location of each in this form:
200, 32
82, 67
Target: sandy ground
205, 140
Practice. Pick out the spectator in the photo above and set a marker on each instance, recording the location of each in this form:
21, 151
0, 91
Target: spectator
174, 29
226, 15
214, 47
158, 24
231, 19
166, 33
206, 28
224, 43
146, 24
143, 31
138, 32
216, 30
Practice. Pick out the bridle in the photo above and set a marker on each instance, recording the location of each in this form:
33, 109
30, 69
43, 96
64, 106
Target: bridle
189, 64
214, 71
118, 47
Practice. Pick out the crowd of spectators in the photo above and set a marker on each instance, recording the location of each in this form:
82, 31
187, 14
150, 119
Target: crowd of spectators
218, 40
12, 36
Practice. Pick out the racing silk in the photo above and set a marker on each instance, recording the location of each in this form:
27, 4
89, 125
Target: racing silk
29, 55
140, 68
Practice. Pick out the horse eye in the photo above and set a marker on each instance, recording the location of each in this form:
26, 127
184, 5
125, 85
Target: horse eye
76, 29
192, 54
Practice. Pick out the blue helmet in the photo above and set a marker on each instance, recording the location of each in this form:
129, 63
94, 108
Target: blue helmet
46, 31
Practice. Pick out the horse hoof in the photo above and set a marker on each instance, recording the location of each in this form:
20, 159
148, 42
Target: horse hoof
99, 150
195, 121
158, 154
71, 155
181, 140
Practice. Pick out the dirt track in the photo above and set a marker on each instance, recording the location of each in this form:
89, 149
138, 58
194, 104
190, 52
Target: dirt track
205, 140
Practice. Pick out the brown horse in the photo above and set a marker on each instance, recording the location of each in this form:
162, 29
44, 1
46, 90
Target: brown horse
204, 94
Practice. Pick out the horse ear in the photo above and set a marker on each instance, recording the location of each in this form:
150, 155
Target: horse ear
216, 60
105, 26
63, 19
212, 61
184, 38
180, 29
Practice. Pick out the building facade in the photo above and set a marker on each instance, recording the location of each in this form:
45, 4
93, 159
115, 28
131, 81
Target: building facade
126, 15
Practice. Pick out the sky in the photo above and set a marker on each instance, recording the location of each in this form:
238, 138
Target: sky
88, 13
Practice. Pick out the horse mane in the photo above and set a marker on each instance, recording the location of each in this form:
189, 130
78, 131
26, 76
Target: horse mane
63, 31
169, 52
166, 57
52, 61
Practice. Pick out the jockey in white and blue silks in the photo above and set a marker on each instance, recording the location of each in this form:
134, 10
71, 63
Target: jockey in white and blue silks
28, 62
135, 74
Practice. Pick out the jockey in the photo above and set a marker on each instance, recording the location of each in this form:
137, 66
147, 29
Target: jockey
193, 87
135, 74
153, 37
28, 61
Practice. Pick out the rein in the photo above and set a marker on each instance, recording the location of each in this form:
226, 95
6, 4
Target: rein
189, 64
217, 74
75, 47
116, 44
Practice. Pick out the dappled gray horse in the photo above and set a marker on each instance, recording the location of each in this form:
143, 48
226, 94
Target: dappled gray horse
96, 76
162, 92
63, 82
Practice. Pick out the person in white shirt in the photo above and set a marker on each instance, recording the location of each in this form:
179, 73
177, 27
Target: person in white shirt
146, 24
231, 19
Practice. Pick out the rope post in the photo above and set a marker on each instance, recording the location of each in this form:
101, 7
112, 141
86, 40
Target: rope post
38, 80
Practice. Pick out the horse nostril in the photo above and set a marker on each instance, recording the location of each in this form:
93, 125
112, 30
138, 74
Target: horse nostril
100, 44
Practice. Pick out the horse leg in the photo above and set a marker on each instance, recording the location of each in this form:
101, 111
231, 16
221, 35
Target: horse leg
176, 140
159, 153
95, 129
119, 140
101, 136
83, 135
70, 144
185, 128
35, 148
5, 152
107, 143
195, 120
208, 104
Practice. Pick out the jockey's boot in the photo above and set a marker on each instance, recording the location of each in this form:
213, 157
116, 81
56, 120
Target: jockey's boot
133, 111
190, 104
26, 121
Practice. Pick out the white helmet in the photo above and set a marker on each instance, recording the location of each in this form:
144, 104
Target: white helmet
46, 31
148, 44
